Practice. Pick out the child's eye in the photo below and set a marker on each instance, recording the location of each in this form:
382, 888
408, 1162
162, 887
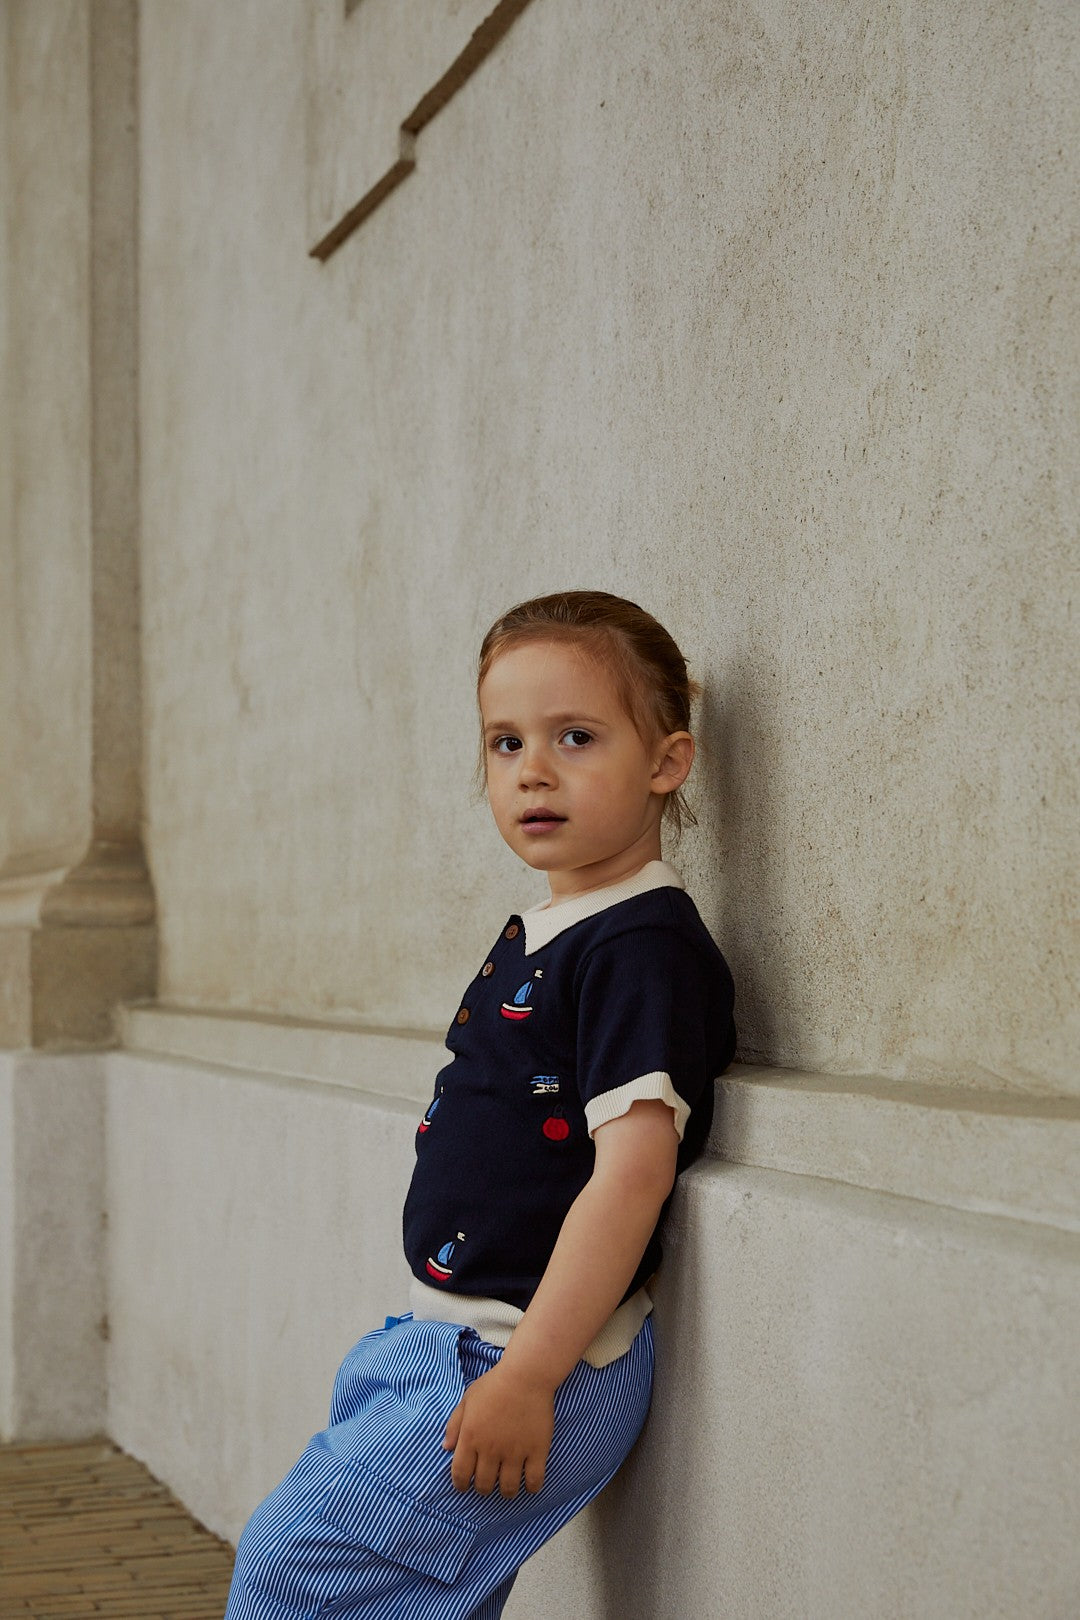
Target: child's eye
577, 738
505, 745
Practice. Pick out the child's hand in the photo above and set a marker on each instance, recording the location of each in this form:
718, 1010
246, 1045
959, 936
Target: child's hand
501, 1426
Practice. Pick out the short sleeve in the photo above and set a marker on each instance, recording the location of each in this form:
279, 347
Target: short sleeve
642, 1026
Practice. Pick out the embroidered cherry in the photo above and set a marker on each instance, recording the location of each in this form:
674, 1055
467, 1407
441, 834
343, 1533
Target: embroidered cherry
556, 1128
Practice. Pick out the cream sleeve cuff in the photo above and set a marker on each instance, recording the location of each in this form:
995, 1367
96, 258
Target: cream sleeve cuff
646, 1088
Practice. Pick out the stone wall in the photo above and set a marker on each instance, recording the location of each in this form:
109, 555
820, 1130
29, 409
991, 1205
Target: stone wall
866, 1404
328, 334
765, 316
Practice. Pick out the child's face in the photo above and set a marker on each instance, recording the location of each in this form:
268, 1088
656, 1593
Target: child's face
557, 739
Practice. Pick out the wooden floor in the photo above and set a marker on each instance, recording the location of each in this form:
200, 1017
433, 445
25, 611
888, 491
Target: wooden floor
86, 1532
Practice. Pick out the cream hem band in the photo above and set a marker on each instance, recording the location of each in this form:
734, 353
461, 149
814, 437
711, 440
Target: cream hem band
494, 1320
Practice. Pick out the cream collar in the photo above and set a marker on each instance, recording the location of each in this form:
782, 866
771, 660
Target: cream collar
546, 922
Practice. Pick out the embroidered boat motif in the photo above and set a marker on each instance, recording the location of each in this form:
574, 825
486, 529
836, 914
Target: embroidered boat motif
440, 1268
519, 1009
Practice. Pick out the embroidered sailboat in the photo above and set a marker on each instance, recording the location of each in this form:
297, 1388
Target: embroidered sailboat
519, 1008
440, 1268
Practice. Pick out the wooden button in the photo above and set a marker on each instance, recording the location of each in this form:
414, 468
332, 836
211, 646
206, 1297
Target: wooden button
463, 1016
487, 970
512, 932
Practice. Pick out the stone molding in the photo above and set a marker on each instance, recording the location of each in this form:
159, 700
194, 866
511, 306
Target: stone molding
75, 942
366, 67
110, 887
77, 929
391, 1063
60, 985
990, 1153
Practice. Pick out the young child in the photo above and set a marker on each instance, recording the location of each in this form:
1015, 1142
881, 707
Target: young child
580, 1085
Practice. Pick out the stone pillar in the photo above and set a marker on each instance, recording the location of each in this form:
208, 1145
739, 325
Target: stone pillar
76, 905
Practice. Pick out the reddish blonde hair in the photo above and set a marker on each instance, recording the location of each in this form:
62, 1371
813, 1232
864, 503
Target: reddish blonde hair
647, 667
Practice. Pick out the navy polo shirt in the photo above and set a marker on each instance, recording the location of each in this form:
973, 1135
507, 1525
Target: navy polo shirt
579, 1010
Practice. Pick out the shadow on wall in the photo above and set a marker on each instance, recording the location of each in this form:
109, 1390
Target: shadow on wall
629, 1572
737, 878
648, 1518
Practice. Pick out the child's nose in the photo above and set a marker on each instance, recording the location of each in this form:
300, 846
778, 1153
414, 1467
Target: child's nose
537, 768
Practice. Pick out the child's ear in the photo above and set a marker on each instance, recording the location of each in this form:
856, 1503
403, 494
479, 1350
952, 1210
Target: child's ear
672, 761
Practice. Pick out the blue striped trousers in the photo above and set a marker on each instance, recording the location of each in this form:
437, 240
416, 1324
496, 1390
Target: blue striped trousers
368, 1526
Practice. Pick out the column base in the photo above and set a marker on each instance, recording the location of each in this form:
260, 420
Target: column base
71, 950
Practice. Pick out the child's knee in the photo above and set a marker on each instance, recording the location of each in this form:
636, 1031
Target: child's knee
262, 1552
276, 1575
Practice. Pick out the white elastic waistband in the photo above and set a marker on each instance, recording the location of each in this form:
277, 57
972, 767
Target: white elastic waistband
494, 1321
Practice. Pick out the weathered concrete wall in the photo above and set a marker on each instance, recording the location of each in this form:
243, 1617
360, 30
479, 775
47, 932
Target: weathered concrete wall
767, 316
53, 1323
75, 903
7, 489
764, 315
45, 437
867, 1405
867, 1409
255, 1236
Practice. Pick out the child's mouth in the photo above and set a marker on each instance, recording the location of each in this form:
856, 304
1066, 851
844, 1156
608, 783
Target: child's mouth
540, 821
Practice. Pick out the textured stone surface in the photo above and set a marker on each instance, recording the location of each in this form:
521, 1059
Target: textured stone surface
865, 1404
16, 994
995, 1153
991, 1152
60, 986
45, 546
53, 1323
255, 1235
868, 1407
386, 1063
376, 76
70, 725
766, 316
79, 974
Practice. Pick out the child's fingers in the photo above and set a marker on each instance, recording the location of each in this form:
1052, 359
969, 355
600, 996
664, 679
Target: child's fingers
462, 1468
510, 1476
534, 1472
453, 1427
485, 1475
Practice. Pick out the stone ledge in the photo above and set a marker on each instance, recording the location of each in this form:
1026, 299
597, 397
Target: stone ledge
992, 1153
385, 1062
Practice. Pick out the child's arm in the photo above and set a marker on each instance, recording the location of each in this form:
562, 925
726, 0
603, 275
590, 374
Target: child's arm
504, 1422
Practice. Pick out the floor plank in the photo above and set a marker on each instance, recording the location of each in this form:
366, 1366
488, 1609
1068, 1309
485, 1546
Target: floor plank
87, 1533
